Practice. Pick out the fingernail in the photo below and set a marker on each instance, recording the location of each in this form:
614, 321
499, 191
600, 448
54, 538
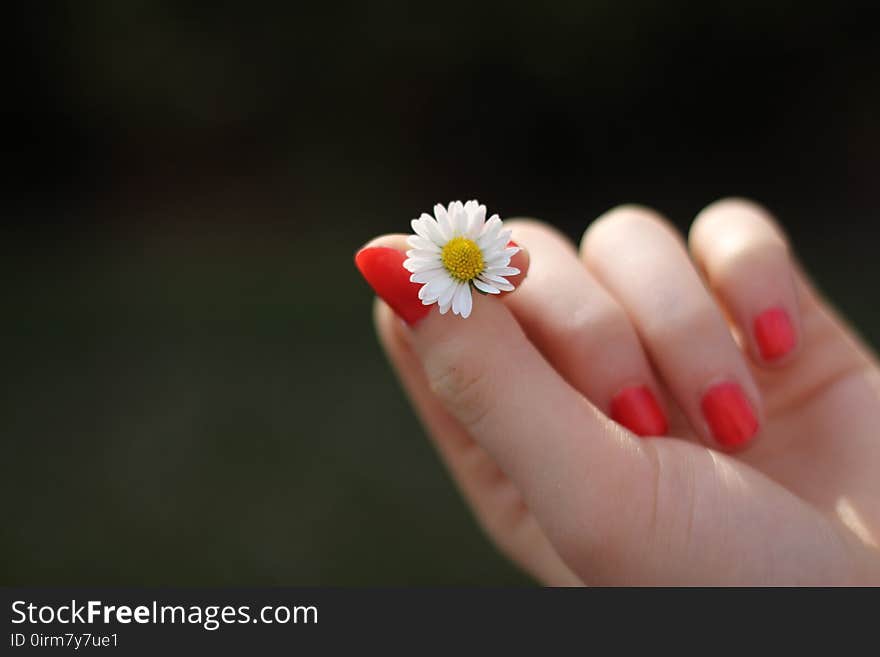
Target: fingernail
382, 267
637, 409
774, 334
729, 414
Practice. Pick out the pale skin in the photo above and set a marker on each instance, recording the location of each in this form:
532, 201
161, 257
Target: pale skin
515, 399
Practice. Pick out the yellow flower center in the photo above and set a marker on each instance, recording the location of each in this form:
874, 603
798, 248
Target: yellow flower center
463, 259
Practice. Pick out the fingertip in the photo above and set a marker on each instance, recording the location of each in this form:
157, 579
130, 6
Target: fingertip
380, 262
732, 419
521, 260
388, 240
745, 257
606, 230
775, 335
734, 208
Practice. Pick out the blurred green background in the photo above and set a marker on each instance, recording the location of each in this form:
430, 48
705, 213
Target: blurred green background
193, 393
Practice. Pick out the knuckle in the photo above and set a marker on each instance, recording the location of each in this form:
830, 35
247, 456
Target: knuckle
461, 385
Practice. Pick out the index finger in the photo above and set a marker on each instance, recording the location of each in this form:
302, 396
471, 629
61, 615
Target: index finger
568, 460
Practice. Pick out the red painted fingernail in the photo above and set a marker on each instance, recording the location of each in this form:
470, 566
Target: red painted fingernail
774, 333
729, 414
382, 266
637, 409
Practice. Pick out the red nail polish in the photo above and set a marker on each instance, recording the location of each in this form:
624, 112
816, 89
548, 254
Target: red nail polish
729, 414
774, 333
382, 266
637, 409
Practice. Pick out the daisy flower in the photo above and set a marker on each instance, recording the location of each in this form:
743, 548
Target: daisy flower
455, 250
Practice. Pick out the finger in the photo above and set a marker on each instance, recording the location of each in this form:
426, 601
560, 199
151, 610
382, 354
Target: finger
563, 455
473, 346
745, 258
584, 332
640, 259
496, 502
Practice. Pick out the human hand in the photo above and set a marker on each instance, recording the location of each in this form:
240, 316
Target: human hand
773, 473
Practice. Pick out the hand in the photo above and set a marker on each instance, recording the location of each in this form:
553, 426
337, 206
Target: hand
773, 473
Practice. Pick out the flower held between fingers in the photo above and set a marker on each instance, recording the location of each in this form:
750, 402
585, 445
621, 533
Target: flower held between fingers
458, 249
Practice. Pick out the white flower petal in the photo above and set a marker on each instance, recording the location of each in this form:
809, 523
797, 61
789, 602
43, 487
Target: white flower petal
432, 291
413, 265
418, 229
500, 261
429, 226
422, 243
500, 242
441, 224
465, 301
494, 265
500, 258
420, 226
428, 275
490, 232
422, 254
445, 222
432, 230
491, 277
444, 307
488, 288
455, 299
498, 281
476, 222
502, 271
455, 221
445, 299
494, 250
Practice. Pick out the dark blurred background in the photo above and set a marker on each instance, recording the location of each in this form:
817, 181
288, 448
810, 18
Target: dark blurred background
193, 393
